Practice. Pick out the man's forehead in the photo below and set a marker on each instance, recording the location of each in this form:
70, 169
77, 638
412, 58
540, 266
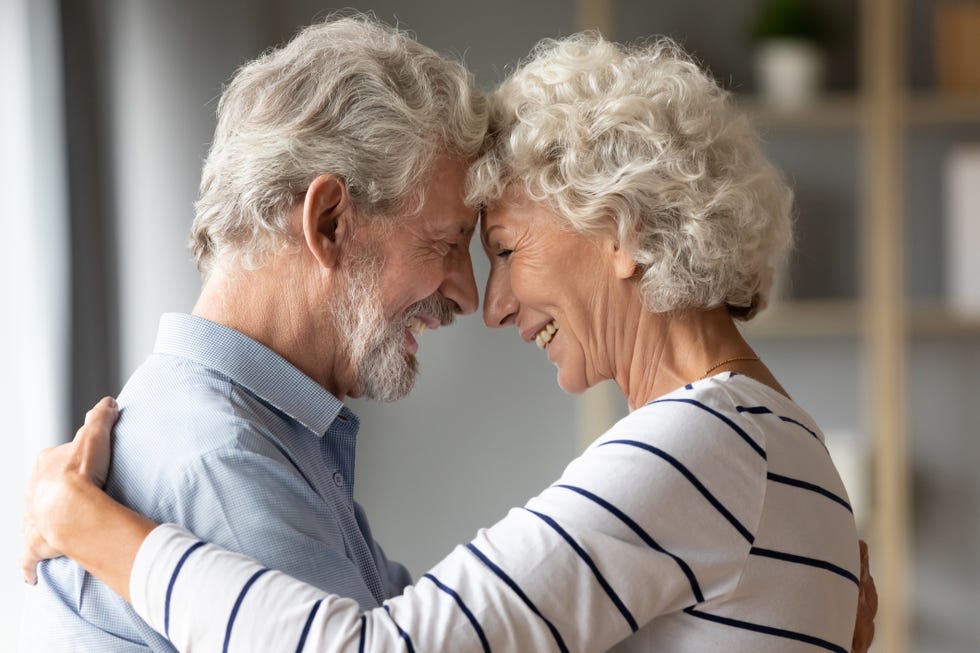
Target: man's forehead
463, 220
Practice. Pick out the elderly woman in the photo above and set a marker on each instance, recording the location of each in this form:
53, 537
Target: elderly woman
630, 220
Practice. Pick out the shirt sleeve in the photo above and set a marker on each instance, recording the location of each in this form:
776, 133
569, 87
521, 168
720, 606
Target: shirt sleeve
645, 523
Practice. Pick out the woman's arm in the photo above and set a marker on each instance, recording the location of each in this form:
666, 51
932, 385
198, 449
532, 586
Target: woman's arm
195, 594
459, 600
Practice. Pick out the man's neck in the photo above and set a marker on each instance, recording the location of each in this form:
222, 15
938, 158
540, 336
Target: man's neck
276, 310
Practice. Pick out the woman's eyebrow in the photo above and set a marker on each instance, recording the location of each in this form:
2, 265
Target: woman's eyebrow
485, 234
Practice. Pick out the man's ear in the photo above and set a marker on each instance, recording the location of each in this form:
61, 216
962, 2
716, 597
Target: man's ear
327, 218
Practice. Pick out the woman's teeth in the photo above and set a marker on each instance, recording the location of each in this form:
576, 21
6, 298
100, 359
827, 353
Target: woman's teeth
546, 334
417, 326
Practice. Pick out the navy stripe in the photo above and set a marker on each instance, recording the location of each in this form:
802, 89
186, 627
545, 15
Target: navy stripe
595, 570
408, 640
754, 410
695, 588
689, 387
767, 630
306, 626
786, 480
762, 410
462, 606
802, 426
360, 646
517, 590
694, 481
803, 560
238, 604
735, 427
170, 586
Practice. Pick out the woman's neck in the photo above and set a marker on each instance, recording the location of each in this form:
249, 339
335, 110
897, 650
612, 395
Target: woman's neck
669, 350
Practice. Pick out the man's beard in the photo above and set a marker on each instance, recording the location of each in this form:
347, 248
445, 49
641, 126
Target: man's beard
376, 344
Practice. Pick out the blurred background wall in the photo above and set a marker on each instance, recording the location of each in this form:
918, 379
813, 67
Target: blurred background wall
108, 113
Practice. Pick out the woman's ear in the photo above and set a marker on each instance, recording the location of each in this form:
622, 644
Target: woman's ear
624, 265
327, 218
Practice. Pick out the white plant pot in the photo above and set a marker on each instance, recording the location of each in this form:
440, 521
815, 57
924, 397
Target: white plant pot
789, 72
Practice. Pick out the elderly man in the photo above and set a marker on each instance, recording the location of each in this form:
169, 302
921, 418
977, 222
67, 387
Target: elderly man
331, 230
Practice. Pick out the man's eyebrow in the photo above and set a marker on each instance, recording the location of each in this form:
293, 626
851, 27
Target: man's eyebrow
460, 225
469, 224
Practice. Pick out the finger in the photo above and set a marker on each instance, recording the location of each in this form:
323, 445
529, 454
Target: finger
28, 566
871, 597
869, 592
865, 561
29, 569
103, 412
34, 551
863, 638
95, 434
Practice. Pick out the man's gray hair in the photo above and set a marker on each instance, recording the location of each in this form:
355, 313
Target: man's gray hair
348, 96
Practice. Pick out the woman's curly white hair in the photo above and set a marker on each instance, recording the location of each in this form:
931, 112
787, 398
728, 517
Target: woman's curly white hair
640, 139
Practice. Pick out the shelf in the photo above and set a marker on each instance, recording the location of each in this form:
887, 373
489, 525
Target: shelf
808, 319
938, 109
923, 109
842, 318
830, 111
939, 320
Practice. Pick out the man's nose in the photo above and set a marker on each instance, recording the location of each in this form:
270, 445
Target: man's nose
460, 285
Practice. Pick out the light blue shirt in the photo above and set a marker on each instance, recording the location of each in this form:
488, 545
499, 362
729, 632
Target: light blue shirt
222, 435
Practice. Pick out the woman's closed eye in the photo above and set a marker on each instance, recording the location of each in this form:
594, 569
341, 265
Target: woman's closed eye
504, 253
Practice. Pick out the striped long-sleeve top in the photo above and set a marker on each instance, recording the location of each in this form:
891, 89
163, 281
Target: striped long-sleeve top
709, 519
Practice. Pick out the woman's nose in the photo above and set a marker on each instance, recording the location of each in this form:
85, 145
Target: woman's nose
499, 303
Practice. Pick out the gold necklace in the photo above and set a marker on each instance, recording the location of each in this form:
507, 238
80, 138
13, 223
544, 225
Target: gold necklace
726, 362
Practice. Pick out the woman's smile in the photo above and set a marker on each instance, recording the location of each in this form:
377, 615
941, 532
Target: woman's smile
546, 334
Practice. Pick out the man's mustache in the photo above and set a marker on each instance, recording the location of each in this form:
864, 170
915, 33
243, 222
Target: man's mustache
442, 309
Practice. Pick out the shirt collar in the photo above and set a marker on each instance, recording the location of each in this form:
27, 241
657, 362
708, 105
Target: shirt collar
253, 366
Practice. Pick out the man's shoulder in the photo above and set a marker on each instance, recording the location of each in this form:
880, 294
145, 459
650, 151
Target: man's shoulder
189, 406
175, 414
176, 375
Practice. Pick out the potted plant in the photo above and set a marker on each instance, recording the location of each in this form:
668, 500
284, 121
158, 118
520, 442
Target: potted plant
789, 40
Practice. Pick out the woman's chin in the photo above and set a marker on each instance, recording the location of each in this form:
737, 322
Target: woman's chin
573, 384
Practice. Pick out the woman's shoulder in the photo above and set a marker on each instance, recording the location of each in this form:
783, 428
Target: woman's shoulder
705, 410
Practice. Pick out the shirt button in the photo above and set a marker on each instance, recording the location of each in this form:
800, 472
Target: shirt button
338, 479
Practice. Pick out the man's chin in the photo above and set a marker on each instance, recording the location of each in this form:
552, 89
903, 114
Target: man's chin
391, 386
